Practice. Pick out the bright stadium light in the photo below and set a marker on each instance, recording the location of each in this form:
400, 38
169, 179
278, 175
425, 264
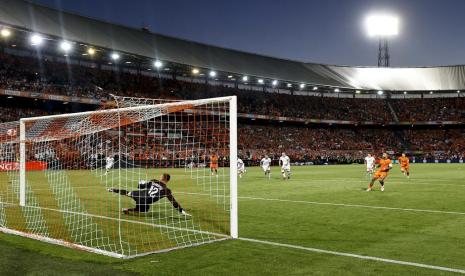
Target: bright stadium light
212, 74
115, 56
405, 92
382, 25
245, 78
91, 51
458, 91
430, 92
302, 85
261, 81
158, 64
36, 40
380, 92
315, 88
289, 85
274, 82
357, 91
337, 90
195, 71
66, 46
5, 32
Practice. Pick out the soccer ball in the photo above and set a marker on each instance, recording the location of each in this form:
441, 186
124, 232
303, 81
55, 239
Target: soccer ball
11, 132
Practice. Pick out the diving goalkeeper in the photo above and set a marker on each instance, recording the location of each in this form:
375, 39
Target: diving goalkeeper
148, 193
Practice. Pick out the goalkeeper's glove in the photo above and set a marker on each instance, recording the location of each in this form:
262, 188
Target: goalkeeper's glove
185, 213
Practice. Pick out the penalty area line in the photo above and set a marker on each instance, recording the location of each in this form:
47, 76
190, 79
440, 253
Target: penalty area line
351, 255
353, 205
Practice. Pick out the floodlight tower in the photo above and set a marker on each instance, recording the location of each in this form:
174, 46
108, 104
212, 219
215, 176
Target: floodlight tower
382, 26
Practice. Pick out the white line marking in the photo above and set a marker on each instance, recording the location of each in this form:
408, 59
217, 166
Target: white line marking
316, 250
354, 205
330, 204
337, 204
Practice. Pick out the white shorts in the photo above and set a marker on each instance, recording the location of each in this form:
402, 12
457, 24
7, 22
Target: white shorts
241, 170
266, 168
286, 169
370, 169
109, 166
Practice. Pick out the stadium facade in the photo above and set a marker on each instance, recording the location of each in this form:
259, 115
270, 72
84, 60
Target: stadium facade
144, 46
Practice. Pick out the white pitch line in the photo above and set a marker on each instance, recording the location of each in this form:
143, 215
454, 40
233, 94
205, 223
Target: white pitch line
318, 203
316, 250
354, 205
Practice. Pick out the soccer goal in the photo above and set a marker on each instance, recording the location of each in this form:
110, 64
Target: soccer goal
114, 181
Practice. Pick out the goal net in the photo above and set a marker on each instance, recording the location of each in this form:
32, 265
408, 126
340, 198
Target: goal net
89, 180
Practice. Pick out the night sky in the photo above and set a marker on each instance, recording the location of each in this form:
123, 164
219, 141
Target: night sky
322, 31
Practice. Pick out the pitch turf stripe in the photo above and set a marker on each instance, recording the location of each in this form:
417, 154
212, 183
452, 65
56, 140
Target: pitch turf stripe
322, 251
354, 205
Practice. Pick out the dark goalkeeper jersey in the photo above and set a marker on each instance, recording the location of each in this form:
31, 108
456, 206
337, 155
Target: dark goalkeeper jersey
150, 192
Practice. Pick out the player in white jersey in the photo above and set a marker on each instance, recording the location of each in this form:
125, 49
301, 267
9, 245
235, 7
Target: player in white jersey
240, 167
265, 163
110, 161
370, 162
285, 163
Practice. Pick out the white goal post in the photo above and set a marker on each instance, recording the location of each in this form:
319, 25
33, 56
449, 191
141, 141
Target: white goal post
78, 171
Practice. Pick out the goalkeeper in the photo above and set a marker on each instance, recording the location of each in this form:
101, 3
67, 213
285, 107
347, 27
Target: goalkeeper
148, 193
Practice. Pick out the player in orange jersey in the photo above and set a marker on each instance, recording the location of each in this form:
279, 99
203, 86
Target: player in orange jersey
404, 165
214, 164
385, 164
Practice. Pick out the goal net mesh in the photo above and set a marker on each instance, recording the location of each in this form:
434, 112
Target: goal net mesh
72, 161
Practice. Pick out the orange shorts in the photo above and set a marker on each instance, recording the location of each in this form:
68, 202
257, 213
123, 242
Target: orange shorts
213, 166
380, 174
404, 168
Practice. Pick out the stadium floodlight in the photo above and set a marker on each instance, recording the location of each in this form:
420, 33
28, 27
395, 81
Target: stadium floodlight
261, 81
91, 51
274, 82
289, 85
115, 56
337, 90
230, 76
357, 91
430, 92
245, 78
380, 92
302, 85
66, 46
158, 64
315, 88
5, 32
382, 25
212, 74
458, 91
195, 71
36, 40
405, 92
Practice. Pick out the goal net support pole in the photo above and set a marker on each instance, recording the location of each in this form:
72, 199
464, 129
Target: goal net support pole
233, 166
22, 163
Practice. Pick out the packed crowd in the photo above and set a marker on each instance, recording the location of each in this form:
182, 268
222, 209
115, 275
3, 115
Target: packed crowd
53, 77
319, 145
434, 109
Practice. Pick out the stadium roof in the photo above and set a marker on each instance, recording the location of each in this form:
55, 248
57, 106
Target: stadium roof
52, 22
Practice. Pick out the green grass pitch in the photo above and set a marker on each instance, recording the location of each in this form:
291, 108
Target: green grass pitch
419, 220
